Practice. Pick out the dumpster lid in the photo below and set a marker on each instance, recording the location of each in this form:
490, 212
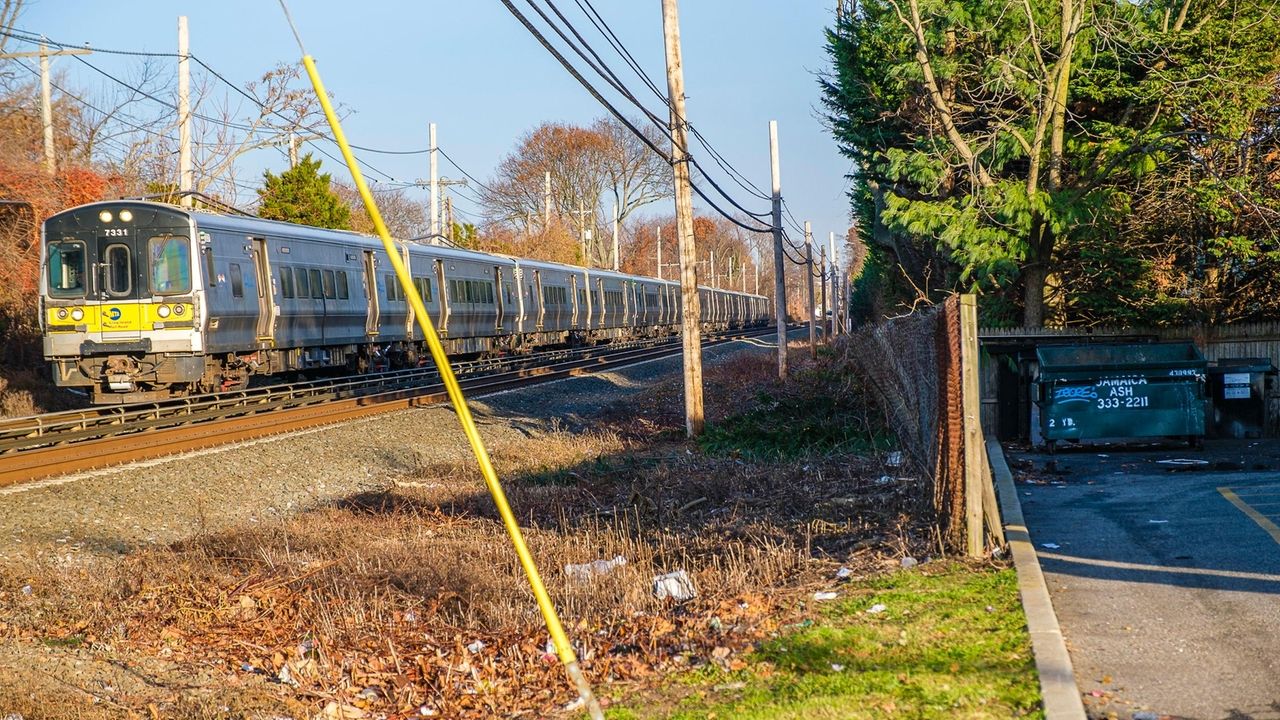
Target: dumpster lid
1241, 365
1130, 357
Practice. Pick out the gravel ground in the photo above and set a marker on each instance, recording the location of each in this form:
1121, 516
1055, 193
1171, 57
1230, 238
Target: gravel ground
112, 511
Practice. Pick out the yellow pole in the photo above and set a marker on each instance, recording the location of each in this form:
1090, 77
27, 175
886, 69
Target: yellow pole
563, 647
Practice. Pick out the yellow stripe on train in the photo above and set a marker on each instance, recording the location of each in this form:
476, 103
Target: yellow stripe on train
120, 317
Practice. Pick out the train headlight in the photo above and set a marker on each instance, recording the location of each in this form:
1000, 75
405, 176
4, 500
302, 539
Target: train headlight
126, 216
62, 313
105, 216
163, 311
179, 309
77, 314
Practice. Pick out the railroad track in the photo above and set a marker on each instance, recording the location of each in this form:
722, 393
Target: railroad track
61, 443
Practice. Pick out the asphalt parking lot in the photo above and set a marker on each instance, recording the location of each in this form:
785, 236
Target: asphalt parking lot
1163, 565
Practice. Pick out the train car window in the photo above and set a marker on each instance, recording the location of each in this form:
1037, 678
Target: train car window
119, 266
425, 289
394, 291
582, 298
237, 281
286, 282
66, 269
344, 291
170, 257
304, 287
211, 279
453, 291
317, 286
488, 292
506, 288
330, 285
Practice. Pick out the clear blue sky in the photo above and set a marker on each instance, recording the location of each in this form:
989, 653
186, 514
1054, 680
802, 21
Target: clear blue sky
474, 70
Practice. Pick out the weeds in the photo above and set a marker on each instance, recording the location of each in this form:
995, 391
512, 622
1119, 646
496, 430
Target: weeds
407, 599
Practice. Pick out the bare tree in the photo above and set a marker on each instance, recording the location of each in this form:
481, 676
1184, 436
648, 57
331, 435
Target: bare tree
637, 175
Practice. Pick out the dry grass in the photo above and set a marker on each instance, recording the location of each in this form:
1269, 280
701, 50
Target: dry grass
28, 392
372, 602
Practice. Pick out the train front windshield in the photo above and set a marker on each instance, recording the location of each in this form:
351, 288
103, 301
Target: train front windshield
118, 254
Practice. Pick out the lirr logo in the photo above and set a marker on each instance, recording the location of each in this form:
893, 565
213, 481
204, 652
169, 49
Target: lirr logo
114, 313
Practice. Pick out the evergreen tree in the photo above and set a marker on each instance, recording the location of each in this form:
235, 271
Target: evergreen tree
302, 195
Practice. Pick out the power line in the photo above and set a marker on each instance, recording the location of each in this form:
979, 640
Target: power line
621, 118
470, 177
621, 49
26, 36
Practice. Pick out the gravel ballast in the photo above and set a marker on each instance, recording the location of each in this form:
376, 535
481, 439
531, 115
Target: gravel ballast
112, 511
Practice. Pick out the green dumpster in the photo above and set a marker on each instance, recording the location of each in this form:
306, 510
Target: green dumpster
1089, 392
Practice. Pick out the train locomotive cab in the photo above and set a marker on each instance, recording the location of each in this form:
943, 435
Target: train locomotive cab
120, 301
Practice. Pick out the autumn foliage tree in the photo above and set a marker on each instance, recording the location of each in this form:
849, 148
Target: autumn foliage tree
587, 165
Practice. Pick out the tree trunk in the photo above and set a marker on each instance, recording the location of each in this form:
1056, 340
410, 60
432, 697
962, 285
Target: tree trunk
1034, 277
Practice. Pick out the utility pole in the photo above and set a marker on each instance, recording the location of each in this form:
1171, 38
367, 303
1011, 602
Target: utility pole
835, 283
691, 330
808, 274
293, 150
448, 215
822, 269
583, 233
435, 181
46, 97
546, 201
715, 283
186, 178
779, 274
615, 237
659, 252
756, 266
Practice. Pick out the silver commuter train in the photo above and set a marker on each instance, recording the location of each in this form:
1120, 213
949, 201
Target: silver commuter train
148, 301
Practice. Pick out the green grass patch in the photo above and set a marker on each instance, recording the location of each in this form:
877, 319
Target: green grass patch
950, 643
69, 641
789, 426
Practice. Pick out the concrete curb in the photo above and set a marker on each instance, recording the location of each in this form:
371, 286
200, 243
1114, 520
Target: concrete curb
1057, 678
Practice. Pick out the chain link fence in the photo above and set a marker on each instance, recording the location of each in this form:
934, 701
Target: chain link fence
912, 368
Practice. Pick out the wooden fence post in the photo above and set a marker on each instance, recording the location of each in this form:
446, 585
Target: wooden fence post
974, 454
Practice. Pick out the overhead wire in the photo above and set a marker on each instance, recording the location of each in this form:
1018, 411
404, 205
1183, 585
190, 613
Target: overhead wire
564, 62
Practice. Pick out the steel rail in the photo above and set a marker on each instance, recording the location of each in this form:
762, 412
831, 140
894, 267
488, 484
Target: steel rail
20, 432
261, 416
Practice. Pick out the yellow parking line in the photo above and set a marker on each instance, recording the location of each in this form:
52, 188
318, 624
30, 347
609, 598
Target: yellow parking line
1263, 521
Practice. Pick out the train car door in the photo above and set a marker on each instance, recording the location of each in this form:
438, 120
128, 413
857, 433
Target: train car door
268, 311
498, 300
600, 297
445, 307
117, 279
373, 316
586, 300
573, 294
536, 291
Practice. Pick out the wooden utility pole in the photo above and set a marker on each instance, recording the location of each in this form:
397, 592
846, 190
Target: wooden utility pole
974, 451
835, 283
779, 274
808, 276
46, 97
691, 331
186, 178
546, 201
615, 237
715, 281
435, 181
448, 216
822, 269
659, 252
293, 150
